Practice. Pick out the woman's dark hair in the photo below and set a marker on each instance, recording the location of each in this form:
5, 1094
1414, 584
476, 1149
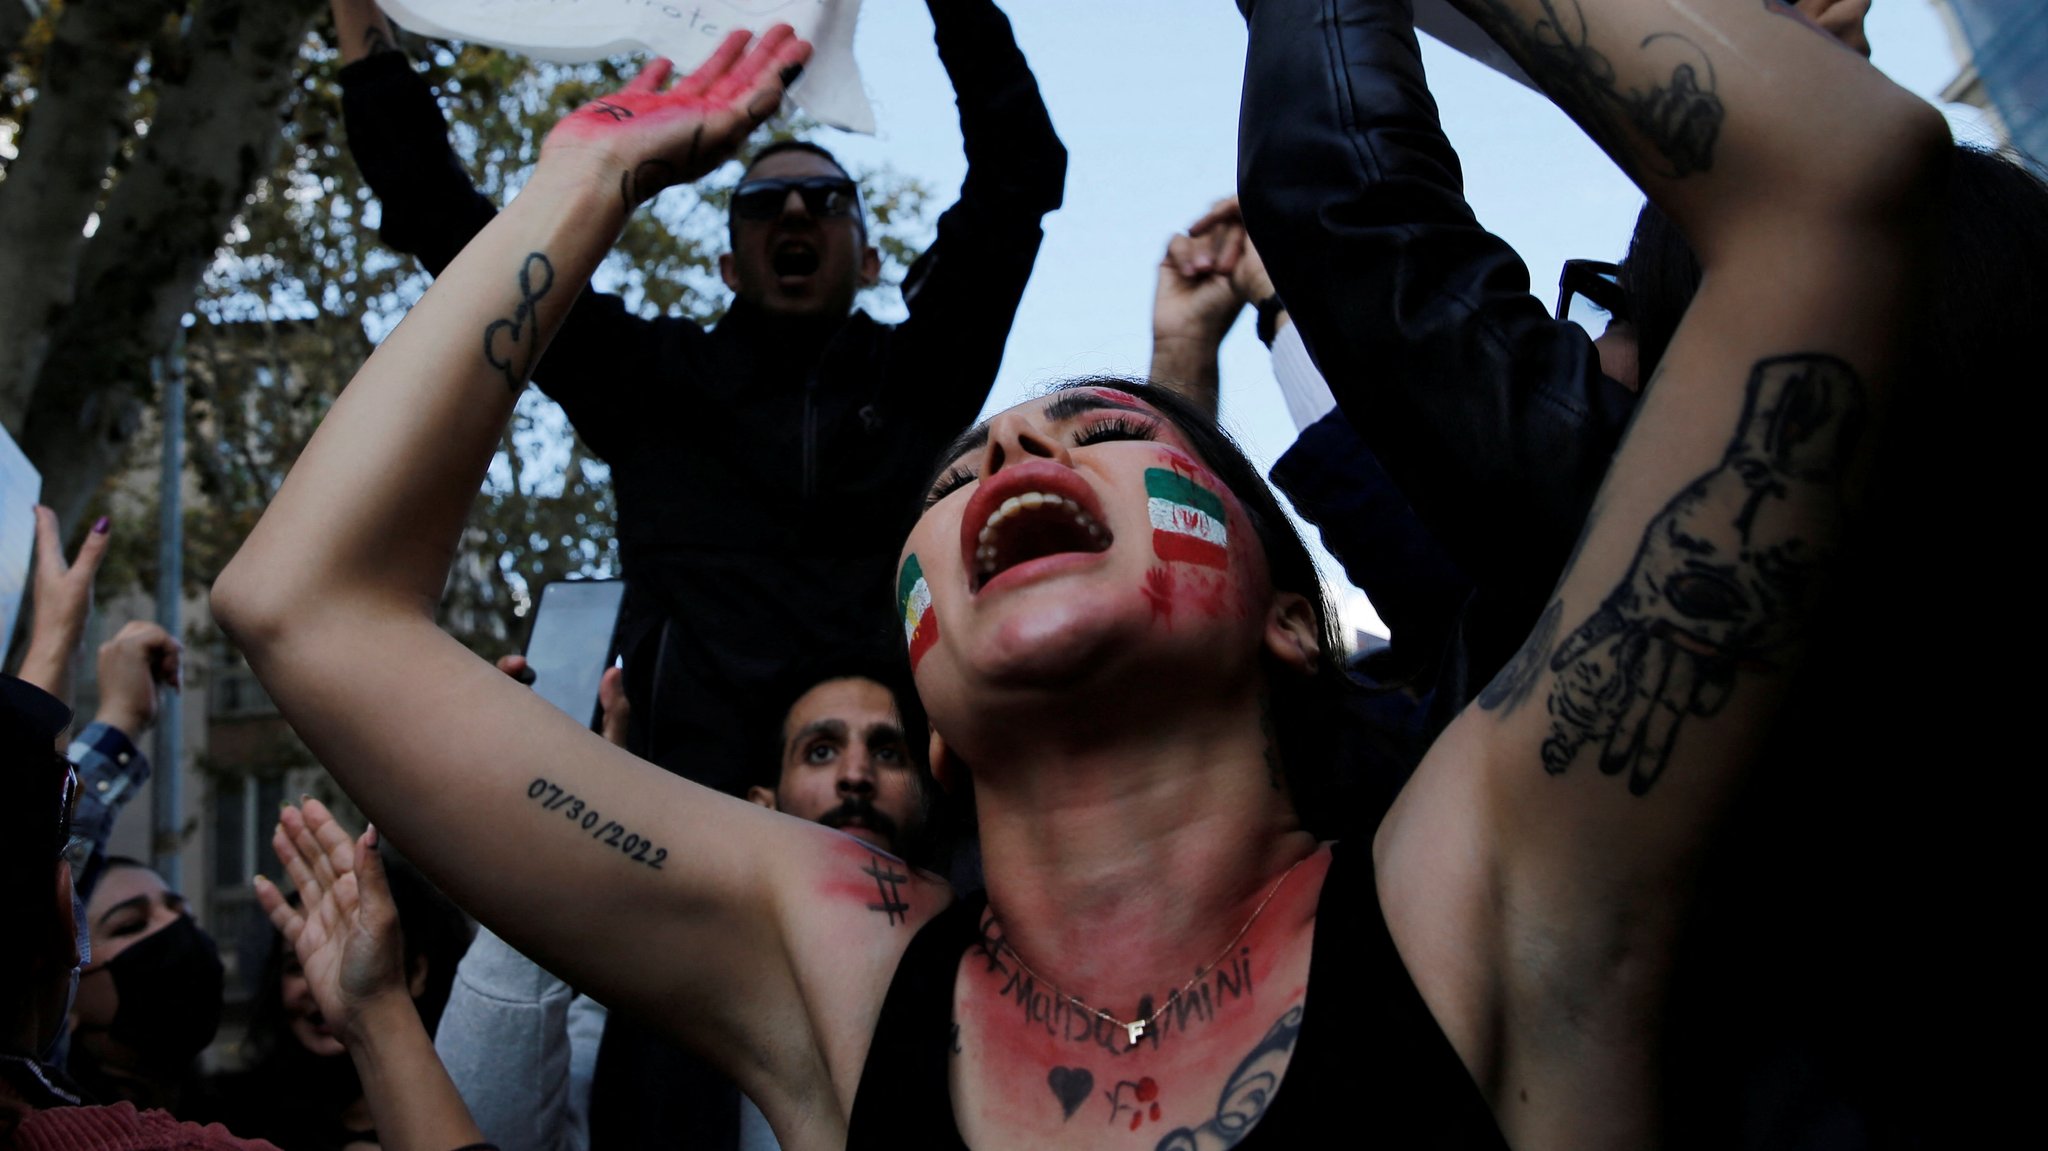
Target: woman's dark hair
1305, 711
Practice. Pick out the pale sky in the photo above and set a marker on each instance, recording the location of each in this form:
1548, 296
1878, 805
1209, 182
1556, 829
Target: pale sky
1145, 95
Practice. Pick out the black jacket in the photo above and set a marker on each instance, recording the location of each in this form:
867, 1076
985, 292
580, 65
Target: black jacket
1492, 417
764, 471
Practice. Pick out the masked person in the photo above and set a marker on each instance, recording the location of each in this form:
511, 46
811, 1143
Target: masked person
40, 1107
1113, 628
150, 1001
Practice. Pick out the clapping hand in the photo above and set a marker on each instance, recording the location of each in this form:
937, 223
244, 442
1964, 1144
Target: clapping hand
655, 137
346, 928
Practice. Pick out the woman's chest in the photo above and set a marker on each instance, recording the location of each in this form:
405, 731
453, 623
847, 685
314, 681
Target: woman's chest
1032, 1066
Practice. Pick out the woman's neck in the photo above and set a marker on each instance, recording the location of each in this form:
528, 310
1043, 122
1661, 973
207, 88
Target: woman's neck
1115, 868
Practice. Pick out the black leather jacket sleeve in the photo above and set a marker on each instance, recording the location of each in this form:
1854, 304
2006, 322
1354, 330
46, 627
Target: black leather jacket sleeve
1492, 418
432, 210
962, 294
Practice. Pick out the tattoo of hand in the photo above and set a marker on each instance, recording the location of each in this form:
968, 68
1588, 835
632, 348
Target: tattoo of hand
1680, 118
1723, 582
511, 345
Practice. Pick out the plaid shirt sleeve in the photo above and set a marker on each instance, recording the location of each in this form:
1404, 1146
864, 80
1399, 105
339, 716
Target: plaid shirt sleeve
111, 769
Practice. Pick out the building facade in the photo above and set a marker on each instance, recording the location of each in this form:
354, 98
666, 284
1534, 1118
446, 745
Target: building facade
2003, 49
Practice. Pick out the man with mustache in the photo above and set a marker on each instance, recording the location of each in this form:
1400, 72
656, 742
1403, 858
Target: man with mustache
845, 762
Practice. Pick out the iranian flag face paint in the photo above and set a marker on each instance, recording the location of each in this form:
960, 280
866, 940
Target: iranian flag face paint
920, 623
1188, 522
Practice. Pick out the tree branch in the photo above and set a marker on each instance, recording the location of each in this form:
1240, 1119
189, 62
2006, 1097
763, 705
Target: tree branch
217, 128
68, 141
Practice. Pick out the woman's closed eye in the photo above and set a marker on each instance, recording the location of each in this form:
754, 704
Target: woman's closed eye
954, 479
1116, 428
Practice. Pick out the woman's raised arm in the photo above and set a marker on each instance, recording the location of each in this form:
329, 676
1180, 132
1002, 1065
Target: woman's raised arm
1534, 872
649, 892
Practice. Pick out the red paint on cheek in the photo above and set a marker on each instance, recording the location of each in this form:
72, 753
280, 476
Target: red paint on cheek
1159, 584
1148, 1090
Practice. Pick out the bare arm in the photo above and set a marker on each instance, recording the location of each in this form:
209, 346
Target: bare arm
1534, 871
653, 894
361, 29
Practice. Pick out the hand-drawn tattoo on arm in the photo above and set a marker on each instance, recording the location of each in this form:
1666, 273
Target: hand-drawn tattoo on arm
512, 344
1246, 1094
608, 832
1723, 582
889, 877
1680, 118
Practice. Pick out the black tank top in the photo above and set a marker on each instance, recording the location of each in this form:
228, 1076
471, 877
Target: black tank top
1370, 1064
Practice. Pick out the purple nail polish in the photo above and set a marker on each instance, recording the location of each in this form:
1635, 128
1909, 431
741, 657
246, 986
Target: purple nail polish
99, 526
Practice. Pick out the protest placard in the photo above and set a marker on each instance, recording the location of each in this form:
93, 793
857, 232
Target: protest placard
685, 31
21, 486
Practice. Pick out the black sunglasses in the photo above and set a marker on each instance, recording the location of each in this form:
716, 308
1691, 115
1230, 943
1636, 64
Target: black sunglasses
1600, 283
826, 197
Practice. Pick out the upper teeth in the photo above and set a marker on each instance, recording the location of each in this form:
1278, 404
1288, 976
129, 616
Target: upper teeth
985, 554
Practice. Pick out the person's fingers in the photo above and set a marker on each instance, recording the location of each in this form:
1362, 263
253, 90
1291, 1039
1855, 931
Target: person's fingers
1181, 252
714, 67
283, 915
755, 83
1224, 211
311, 850
49, 545
618, 712
87, 562
651, 77
336, 845
295, 865
167, 664
517, 667
1223, 248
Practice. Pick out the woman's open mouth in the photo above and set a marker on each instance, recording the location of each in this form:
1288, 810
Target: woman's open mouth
1027, 512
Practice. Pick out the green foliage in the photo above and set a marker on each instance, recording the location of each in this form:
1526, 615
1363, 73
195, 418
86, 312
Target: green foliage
303, 290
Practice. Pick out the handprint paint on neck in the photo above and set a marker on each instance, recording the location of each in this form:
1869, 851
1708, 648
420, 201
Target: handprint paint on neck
1723, 582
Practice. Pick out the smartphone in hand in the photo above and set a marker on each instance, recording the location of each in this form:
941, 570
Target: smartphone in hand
570, 640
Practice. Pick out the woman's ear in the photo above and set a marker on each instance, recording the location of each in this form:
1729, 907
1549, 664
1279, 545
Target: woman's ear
1292, 636
946, 767
416, 980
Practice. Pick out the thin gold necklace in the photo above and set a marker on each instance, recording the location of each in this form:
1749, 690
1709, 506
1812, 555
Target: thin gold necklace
1135, 1029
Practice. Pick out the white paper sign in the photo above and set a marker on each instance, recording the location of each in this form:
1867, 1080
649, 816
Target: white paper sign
21, 486
685, 31
1456, 30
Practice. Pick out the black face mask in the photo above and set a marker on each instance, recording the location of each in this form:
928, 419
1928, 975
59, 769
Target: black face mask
169, 989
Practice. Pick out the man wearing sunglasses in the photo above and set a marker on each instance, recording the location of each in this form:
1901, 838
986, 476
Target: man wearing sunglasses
760, 462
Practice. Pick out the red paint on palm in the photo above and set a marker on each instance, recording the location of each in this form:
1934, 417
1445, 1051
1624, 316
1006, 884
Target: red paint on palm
694, 124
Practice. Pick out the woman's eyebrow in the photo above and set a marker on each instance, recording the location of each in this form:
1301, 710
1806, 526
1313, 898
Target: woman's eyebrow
132, 903
1069, 404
